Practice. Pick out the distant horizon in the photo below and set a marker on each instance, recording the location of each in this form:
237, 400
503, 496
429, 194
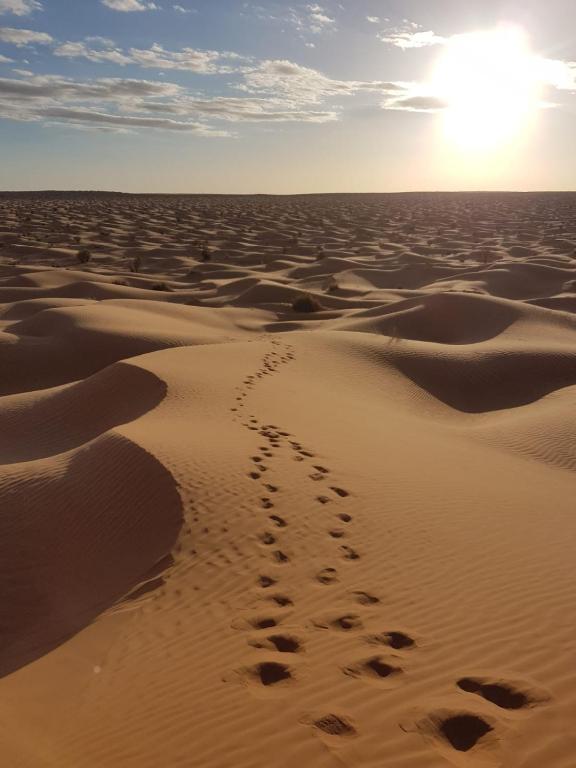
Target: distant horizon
110, 192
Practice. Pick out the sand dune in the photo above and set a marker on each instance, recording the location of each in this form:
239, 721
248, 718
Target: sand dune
239, 529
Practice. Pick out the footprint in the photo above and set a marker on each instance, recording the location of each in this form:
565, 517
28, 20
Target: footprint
464, 731
374, 667
254, 475
365, 598
327, 576
345, 517
340, 492
263, 623
337, 533
334, 725
282, 600
266, 503
343, 623
349, 553
323, 470
316, 476
271, 673
396, 640
280, 643
280, 522
323, 499
271, 488
501, 694
267, 538
280, 557
266, 581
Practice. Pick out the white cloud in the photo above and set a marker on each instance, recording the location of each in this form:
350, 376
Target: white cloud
123, 104
373, 19
404, 39
559, 74
5, 59
304, 85
129, 5
23, 37
181, 9
80, 50
19, 7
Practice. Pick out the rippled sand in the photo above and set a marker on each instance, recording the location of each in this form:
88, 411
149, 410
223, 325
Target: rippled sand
237, 532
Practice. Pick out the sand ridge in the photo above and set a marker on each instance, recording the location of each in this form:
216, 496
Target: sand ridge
238, 533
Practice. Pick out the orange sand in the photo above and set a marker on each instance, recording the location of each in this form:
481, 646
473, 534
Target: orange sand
237, 535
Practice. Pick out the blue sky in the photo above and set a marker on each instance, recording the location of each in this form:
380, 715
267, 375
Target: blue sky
234, 96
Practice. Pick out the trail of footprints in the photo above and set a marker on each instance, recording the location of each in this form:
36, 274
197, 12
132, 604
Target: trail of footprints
384, 666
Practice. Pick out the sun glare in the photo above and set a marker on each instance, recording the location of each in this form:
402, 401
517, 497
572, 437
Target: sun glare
490, 82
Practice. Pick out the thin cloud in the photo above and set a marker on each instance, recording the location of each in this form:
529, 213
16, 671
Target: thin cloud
49, 87
310, 19
415, 104
319, 19
87, 116
188, 59
239, 110
155, 57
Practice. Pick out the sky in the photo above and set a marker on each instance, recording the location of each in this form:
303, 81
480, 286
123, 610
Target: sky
233, 96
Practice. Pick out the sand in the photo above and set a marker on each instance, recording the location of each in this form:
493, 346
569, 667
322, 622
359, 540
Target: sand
237, 534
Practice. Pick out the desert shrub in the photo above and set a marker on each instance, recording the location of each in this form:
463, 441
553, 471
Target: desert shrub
306, 303
84, 256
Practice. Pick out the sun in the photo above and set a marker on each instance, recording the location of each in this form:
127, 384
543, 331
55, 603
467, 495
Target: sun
490, 85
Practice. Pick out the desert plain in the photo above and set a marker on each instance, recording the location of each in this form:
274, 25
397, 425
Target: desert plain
288, 481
